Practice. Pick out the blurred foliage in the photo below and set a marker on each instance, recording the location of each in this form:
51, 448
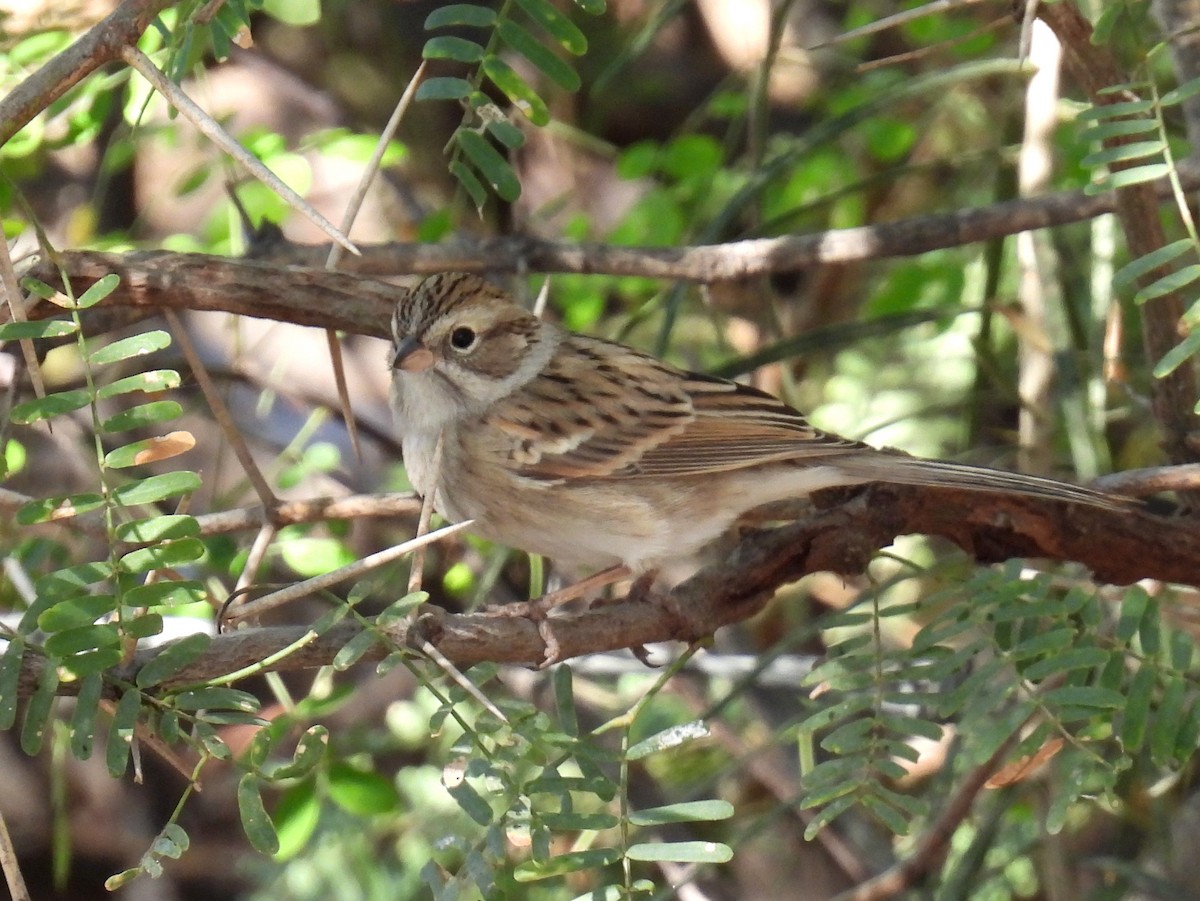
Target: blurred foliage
636, 128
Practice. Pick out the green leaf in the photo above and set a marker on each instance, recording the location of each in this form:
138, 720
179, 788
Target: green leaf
120, 732
577, 821
142, 416
156, 488
158, 528
506, 133
1167, 722
150, 450
1121, 153
48, 407
1113, 110
144, 625
10, 680
683, 812
490, 164
1133, 608
591, 7
257, 825
45, 328
149, 382
1182, 648
165, 594
517, 89
1178, 355
668, 738
361, 792
399, 610
556, 24
1184, 92
452, 48
444, 88
82, 731
564, 700
133, 346
1119, 128
473, 186
352, 651
83, 638
681, 852
1150, 631
1085, 696
37, 711
460, 14
1128, 274
470, 801
74, 612
215, 697
171, 658
1072, 659
92, 663
1123, 178
561, 864
167, 555
309, 751
543, 59
1168, 283
296, 817
99, 290
52, 509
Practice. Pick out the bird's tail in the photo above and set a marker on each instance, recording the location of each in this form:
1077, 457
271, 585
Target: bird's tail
884, 467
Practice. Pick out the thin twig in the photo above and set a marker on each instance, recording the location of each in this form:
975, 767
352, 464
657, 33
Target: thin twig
335, 251
417, 565
16, 306
208, 127
354, 570
220, 412
12, 869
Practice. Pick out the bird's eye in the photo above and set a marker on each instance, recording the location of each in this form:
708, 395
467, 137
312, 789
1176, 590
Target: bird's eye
463, 338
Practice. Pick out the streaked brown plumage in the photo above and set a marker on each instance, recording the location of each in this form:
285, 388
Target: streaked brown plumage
586, 450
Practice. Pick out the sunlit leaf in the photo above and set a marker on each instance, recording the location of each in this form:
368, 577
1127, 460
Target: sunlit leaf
557, 25
148, 382
150, 450
45, 328
518, 90
133, 346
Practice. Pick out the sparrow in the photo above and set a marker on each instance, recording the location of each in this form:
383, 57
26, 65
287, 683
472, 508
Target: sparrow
596, 454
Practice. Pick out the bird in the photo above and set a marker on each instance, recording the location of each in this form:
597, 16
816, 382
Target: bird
595, 454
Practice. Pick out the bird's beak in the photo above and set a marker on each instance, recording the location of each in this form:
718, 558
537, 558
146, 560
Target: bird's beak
412, 356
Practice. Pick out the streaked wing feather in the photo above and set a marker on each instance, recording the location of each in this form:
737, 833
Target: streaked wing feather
580, 419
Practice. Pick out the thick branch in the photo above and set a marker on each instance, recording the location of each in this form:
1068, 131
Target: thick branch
1119, 547
102, 43
736, 259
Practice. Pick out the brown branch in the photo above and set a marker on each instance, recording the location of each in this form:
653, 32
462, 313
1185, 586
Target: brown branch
1119, 547
102, 43
733, 260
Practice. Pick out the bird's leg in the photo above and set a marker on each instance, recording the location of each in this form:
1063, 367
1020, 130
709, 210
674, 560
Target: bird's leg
538, 609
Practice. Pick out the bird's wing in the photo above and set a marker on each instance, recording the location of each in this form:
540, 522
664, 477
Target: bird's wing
602, 410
